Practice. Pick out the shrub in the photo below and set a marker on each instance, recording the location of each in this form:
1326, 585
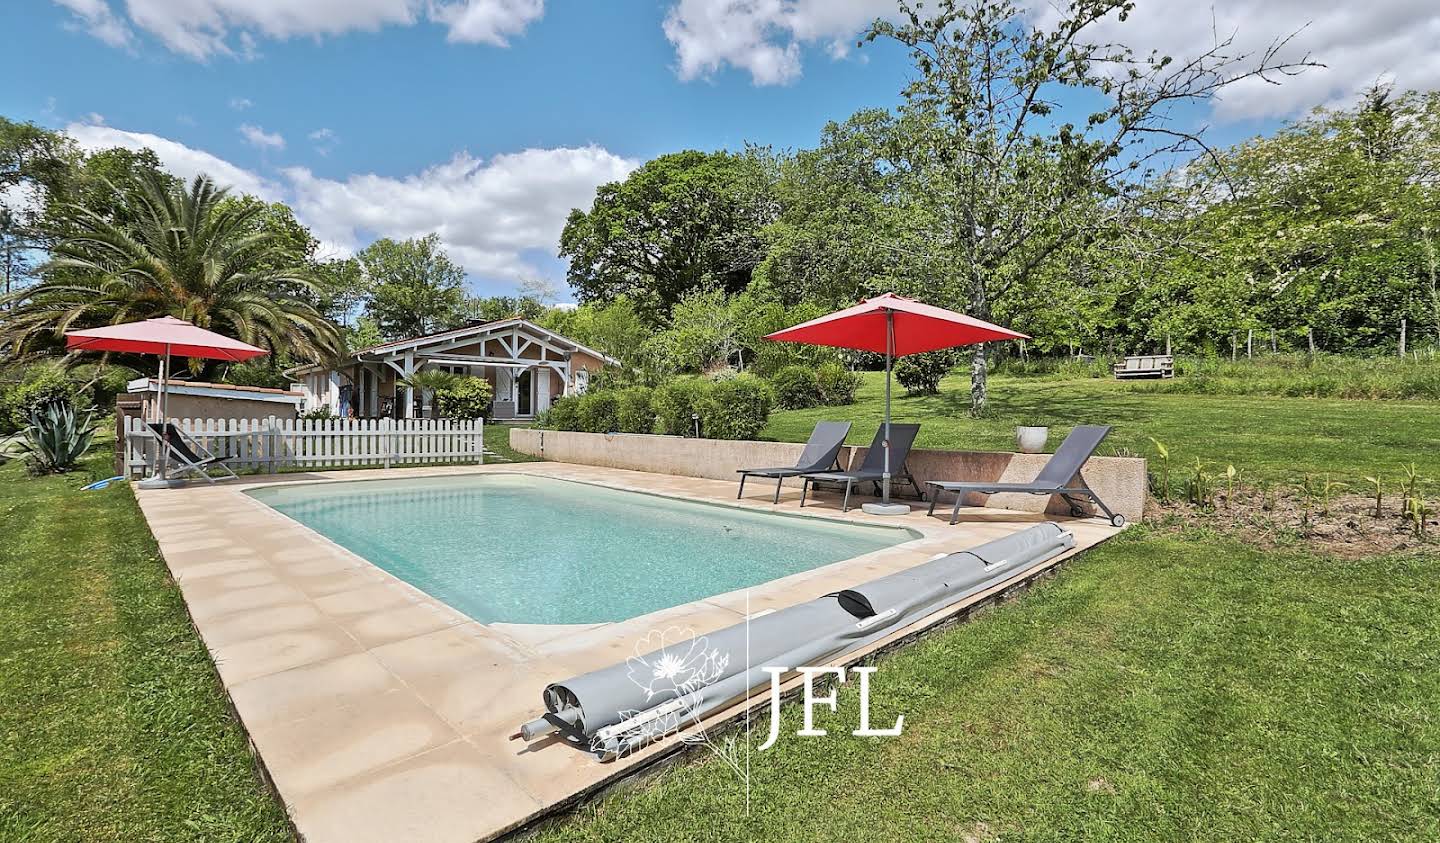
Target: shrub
564, 414
599, 411
920, 374
320, 413
736, 408
636, 412
675, 401
56, 438
796, 388
41, 384
466, 398
837, 384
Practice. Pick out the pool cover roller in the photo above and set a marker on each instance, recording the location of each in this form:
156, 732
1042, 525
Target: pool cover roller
617, 709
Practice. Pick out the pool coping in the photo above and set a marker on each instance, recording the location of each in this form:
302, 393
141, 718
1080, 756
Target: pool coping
378, 711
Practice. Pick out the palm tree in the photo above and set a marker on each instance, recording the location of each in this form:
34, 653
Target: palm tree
427, 382
184, 253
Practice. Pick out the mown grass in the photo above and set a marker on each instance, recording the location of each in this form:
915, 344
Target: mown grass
1275, 439
1283, 375
113, 726
1163, 687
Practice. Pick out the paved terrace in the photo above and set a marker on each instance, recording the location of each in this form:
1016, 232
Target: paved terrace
380, 713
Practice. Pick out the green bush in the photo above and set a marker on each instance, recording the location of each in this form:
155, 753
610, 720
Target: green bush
796, 388
637, 410
40, 385
600, 411
55, 439
837, 384
920, 374
676, 400
736, 408
466, 398
564, 414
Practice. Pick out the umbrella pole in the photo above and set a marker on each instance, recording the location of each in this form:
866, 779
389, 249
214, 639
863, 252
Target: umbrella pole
164, 400
889, 359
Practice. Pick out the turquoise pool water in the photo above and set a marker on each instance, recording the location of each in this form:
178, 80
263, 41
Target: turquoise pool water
519, 549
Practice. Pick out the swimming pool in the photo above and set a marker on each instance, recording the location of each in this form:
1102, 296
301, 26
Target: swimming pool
516, 548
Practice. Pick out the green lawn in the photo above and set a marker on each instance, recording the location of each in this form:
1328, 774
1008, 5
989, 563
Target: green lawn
1163, 687
497, 442
113, 726
1277, 439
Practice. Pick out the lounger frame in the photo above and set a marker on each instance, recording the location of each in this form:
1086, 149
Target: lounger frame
194, 458
872, 475
1060, 476
828, 458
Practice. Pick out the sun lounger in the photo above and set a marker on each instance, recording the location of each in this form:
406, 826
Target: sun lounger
1060, 476
193, 458
821, 453
902, 437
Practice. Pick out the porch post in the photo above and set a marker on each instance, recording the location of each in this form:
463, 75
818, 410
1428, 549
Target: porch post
409, 391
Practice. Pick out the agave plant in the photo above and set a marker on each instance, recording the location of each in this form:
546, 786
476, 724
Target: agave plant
56, 438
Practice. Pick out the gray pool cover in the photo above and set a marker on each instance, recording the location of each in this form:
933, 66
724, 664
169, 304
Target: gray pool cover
617, 709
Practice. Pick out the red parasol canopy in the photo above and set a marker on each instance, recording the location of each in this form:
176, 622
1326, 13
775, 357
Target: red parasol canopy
164, 336
894, 326
918, 327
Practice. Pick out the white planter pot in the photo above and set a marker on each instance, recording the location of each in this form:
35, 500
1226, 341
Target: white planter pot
1031, 440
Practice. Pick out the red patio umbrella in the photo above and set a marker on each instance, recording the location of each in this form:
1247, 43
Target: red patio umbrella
894, 326
164, 336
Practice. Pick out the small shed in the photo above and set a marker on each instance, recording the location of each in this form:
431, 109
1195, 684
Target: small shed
200, 400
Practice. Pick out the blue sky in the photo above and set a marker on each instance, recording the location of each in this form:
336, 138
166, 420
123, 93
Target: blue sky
486, 120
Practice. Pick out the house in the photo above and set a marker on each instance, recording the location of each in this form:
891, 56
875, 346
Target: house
527, 365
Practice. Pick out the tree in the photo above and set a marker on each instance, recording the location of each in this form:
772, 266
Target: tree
415, 288
1000, 180
837, 208
35, 166
681, 222
178, 252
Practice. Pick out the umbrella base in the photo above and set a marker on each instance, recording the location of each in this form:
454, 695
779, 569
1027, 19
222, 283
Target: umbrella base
160, 483
886, 508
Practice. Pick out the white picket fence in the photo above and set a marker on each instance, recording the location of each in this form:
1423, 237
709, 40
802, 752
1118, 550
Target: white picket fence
272, 444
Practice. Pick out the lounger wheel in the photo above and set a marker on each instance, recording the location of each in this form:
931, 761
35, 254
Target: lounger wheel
1117, 520
1076, 511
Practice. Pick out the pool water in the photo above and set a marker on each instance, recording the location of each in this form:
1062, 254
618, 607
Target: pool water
520, 549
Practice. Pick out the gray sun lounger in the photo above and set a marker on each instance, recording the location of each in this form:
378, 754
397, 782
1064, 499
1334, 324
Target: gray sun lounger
191, 462
1060, 476
902, 437
821, 453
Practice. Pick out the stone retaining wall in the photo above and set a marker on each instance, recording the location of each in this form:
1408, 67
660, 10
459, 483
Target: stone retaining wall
1120, 481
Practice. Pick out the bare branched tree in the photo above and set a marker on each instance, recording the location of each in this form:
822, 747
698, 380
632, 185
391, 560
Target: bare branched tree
1004, 180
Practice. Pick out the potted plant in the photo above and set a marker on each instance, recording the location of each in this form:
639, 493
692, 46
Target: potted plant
1030, 439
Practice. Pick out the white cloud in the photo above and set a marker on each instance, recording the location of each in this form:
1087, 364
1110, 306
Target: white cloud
200, 29
1359, 43
324, 140
261, 139
240, 103
97, 18
487, 21
176, 157
487, 212
764, 37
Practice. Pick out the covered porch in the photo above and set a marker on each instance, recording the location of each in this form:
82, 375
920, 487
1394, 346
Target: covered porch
527, 368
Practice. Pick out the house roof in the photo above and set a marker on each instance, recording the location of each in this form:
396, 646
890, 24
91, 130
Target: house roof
214, 390
385, 349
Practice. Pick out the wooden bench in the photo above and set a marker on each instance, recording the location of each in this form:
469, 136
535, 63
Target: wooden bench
1146, 366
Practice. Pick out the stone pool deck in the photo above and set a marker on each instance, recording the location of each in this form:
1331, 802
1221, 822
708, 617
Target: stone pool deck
380, 713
